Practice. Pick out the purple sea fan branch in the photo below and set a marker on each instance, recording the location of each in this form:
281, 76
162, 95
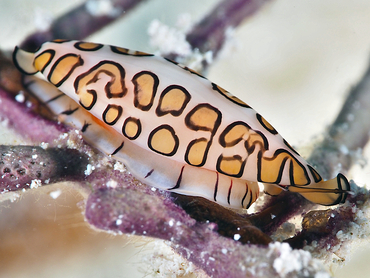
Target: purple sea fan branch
348, 134
210, 33
128, 211
31, 166
26, 123
82, 21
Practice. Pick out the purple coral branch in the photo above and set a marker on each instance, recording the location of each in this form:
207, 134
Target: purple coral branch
81, 22
31, 126
23, 167
210, 33
348, 134
128, 210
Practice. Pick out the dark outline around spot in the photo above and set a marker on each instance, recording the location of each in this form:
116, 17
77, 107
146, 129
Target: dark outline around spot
174, 136
138, 123
154, 89
112, 106
80, 62
174, 113
97, 47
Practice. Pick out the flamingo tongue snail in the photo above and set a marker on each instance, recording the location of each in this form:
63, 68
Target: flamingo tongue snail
173, 128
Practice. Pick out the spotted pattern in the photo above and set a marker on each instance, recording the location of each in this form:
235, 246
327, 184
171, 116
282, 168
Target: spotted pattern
269, 169
256, 140
196, 152
131, 128
163, 140
112, 114
114, 88
63, 68
173, 100
276, 164
231, 165
88, 98
61, 40
88, 46
145, 89
202, 117
233, 134
217, 151
44, 59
